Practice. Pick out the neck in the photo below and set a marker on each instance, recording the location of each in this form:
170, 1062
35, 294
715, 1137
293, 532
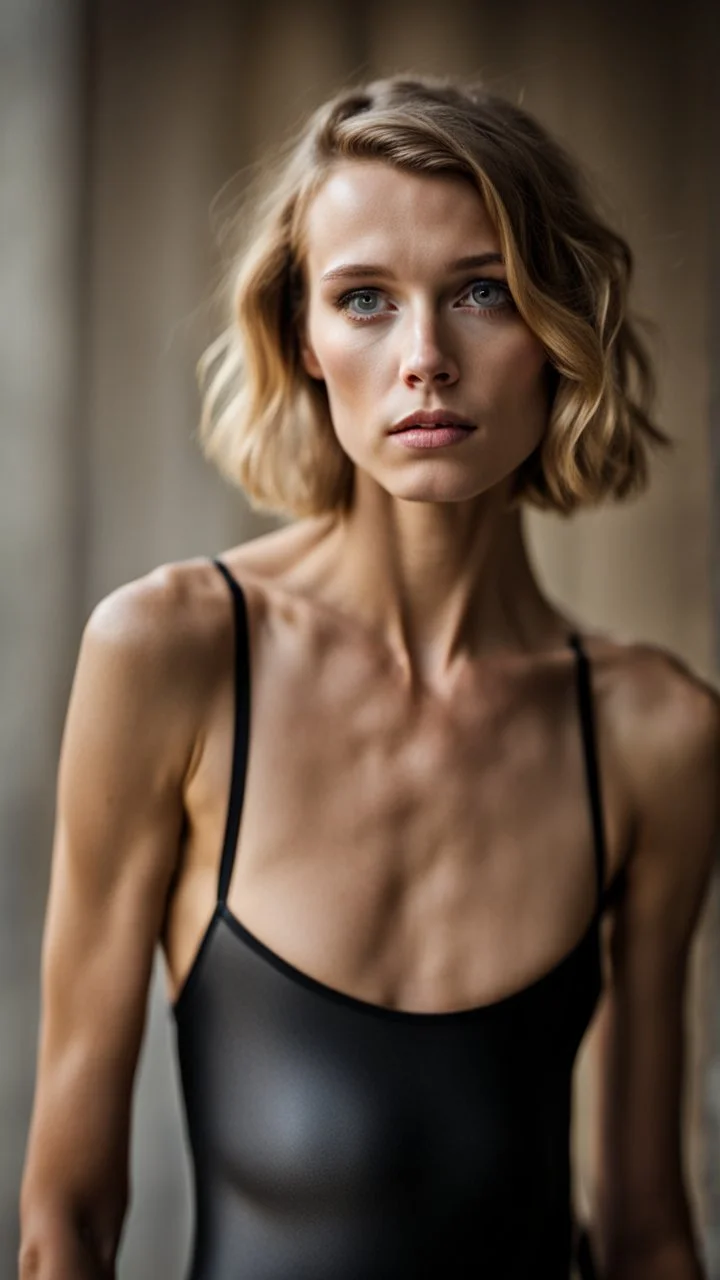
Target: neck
442, 583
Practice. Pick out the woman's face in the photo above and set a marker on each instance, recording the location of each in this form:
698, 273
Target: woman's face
396, 322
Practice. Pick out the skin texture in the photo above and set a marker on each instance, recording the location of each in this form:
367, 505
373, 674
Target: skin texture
405, 644
430, 547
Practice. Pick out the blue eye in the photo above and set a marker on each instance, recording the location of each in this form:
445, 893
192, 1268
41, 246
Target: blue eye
361, 296
491, 293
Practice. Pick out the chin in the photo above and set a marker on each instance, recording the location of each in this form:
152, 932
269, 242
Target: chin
440, 489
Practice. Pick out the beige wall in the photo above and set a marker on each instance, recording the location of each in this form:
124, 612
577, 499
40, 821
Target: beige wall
40, 165
104, 479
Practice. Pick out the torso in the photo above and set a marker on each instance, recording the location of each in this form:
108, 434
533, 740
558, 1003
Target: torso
424, 853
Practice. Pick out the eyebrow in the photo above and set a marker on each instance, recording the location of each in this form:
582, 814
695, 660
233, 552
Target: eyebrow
372, 269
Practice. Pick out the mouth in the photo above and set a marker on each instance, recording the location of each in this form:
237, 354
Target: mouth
434, 418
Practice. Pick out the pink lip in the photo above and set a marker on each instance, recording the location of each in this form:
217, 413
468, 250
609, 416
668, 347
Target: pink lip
432, 418
432, 437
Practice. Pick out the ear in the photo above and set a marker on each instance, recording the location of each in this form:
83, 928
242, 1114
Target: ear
310, 361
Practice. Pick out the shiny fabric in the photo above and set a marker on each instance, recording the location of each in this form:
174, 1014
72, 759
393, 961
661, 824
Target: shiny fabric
336, 1139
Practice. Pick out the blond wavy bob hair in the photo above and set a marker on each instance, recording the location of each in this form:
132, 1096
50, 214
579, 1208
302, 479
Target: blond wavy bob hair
266, 423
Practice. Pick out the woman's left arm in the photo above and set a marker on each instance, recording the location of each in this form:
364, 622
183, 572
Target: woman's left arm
643, 1227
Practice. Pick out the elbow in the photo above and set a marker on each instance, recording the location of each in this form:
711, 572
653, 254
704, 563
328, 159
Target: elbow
647, 1237
672, 1258
30, 1260
59, 1244
62, 1254
48, 1256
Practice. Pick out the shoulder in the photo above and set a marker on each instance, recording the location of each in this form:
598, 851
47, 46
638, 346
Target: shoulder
666, 717
156, 648
172, 617
178, 617
666, 730
163, 608
653, 702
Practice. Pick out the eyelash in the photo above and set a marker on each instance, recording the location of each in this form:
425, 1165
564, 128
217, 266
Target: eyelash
342, 303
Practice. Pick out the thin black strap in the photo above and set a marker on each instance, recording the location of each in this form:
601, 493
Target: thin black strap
587, 720
241, 730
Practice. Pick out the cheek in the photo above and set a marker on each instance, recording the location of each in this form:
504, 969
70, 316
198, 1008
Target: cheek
348, 362
518, 369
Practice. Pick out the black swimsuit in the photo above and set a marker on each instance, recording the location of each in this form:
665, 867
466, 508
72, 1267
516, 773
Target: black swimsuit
336, 1139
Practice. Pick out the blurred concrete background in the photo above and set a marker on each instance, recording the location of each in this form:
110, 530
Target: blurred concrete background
120, 124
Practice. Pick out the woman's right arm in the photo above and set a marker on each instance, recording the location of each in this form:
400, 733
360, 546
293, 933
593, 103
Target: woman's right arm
128, 746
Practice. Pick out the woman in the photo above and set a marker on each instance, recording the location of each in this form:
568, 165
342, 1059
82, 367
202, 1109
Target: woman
462, 817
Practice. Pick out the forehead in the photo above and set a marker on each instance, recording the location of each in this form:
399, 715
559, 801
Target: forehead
369, 211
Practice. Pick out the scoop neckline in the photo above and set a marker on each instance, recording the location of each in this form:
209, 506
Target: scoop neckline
371, 1008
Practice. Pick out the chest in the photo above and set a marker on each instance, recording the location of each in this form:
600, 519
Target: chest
424, 852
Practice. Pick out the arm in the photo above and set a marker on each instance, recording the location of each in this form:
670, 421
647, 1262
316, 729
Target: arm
127, 746
643, 1228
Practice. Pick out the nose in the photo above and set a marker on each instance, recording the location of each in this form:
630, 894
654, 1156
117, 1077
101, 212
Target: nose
426, 359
